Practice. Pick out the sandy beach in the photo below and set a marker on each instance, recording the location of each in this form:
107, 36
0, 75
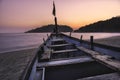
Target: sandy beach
111, 41
12, 64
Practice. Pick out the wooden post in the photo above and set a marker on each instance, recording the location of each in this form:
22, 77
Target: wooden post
70, 34
47, 35
51, 54
91, 43
56, 26
44, 41
39, 55
81, 38
40, 52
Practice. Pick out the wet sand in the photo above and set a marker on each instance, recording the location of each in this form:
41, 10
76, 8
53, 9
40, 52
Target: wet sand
12, 64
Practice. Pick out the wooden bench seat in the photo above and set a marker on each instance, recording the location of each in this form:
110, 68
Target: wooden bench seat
64, 51
59, 45
57, 39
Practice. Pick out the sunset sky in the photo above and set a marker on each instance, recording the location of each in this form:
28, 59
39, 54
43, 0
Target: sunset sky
22, 15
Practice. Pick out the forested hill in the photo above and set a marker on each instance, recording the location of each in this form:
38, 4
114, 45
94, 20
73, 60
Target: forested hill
110, 25
50, 28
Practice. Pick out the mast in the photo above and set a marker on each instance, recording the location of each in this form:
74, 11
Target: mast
55, 19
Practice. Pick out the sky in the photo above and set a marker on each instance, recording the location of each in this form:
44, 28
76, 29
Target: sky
22, 15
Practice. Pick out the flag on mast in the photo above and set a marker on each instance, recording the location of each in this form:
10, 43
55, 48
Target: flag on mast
54, 10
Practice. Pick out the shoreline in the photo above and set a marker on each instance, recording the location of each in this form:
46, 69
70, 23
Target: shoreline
20, 49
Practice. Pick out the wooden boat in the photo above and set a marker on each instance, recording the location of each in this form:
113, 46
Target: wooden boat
62, 57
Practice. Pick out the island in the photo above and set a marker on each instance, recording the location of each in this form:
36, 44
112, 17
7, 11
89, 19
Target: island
109, 25
50, 28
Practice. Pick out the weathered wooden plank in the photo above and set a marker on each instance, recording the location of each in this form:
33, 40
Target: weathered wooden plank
66, 61
57, 39
64, 51
60, 45
104, 59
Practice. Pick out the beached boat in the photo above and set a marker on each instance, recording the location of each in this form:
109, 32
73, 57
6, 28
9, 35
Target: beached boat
62, 57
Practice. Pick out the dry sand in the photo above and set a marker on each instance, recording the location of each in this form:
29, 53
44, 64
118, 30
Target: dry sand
12, 64
112, 41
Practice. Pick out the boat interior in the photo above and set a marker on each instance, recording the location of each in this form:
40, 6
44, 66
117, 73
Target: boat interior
60, 59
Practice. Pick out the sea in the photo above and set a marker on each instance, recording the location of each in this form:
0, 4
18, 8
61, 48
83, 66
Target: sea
20, 41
